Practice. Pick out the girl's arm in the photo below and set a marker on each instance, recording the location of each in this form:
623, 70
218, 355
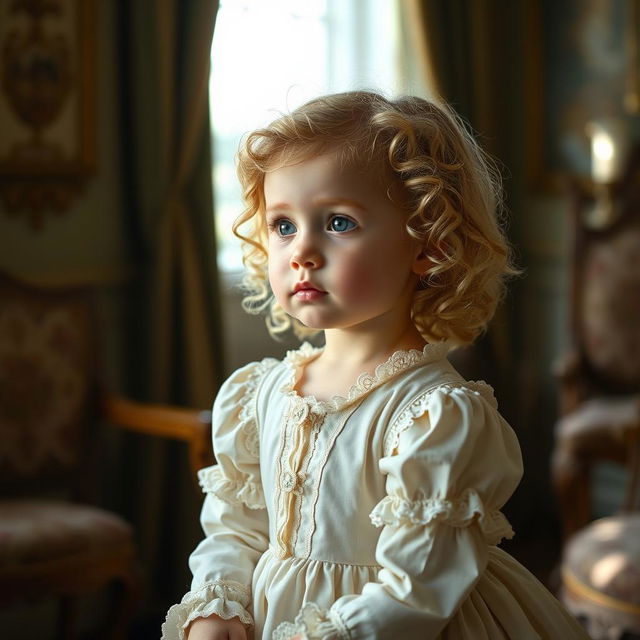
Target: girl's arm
233, 517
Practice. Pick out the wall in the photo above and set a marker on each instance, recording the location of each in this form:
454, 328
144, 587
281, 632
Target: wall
87, 243
245, 337
540, 327
91, 232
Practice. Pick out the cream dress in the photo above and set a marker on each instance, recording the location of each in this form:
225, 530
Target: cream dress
373, 516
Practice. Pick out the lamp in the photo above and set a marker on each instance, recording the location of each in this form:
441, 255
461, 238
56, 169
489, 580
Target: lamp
610, 145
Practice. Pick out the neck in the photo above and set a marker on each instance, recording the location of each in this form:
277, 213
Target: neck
366, 348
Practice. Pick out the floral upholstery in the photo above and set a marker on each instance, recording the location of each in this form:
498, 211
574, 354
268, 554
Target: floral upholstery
38, 530
611, 305
52, 547
43, 386
600, 414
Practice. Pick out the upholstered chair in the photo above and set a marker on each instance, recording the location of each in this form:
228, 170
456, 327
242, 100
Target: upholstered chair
55, 540
599, 390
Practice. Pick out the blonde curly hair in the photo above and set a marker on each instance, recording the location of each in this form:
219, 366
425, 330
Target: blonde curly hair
448, 187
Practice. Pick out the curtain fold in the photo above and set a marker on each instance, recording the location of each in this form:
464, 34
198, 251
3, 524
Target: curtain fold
183, 78
453, 40
167, 45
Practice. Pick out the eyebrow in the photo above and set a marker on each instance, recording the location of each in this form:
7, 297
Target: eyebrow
280, 206
347, 201
321, 202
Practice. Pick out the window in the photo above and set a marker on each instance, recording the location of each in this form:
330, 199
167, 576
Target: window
269, 57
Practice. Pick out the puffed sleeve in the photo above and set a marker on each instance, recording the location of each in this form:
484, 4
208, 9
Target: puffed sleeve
234, 518
451, 463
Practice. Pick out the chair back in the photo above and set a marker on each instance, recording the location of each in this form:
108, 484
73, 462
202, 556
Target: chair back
606, 292
47, 386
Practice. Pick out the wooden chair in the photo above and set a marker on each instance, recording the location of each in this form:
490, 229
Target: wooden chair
599, 387
55, 541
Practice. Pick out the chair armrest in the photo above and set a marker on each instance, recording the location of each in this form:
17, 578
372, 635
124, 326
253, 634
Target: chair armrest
177, 423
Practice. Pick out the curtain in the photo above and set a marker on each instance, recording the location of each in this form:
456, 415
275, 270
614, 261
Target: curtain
453, 42
176, 356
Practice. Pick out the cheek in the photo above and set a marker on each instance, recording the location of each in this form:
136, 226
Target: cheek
378, 274
280, 278
275, 272
359, 277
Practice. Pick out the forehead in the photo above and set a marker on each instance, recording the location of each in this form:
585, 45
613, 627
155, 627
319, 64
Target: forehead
324, 175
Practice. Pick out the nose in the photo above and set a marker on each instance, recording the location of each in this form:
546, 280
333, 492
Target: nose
306, 253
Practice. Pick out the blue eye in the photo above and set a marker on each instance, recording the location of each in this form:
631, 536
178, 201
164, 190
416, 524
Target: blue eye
340, 224
285, 227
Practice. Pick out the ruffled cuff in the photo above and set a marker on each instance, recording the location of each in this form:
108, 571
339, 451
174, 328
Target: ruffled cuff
233, 491
313, 623
227, 599
397, 510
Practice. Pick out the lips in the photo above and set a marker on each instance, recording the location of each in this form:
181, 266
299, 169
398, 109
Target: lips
306, 286
307, 291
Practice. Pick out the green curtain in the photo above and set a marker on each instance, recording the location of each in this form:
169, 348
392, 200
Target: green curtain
459, 45
176, 355
171, 48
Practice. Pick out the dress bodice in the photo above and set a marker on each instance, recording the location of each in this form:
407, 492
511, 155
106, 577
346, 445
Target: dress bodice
313, 453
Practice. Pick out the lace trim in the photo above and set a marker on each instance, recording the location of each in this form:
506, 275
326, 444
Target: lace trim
228, 599
397, 363
397, 511
313, 623
248, 422
297, 446
419, 406
232, 491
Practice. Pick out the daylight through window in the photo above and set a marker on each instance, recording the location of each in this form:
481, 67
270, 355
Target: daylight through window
269, 57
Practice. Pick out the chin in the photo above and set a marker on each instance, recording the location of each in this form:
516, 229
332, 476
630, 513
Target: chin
314, 323
316, 326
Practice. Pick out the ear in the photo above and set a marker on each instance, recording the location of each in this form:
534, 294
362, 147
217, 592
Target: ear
421, 261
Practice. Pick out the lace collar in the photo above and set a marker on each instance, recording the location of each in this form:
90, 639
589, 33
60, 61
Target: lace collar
398, 362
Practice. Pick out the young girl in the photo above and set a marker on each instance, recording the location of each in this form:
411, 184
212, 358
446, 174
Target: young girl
358, 487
